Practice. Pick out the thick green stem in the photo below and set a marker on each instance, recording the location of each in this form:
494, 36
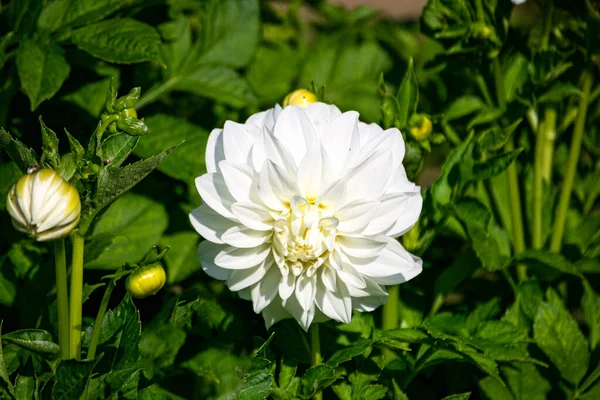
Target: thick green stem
99, 318
499, 82
76, 296
565, 194
315, 356
536, 231
390, 309
549, 138
62, 300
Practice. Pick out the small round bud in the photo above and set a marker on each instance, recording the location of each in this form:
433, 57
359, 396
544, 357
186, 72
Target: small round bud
420, 127
146, 281
301, 98
129, 113
43, 205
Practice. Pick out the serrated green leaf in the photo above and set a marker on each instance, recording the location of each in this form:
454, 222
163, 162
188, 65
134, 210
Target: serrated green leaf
119, 40
187, 162
516, 73
260, 381
25, 387
66, 13
462, 396
3, 371
349, 353
50, 156
315, 379
36, 341
116, 148
22, 155
590, 303
161, 344
525, 381
287, 373
10, 174
558, 335
494, 165
125, 232
541, 259
72, 378
42, 70
408, 95
559, 92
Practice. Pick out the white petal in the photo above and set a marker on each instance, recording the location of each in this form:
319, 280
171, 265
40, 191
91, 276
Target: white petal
351, 277
328, 277
390, 139
274, 313
362, 247
409, 216
235, 258
295, 131
207, 252
304, 317
305, 290
321, 115
265, 290
369, 303
268, 147
370, 290
253, 216
391, 209
210, 224
336, 305
392, 266
356, 215
237, 142
265, 119
333, 197
341, 141
287, 284
370, 177
311, 171
275, 187
242, 278
238, 178
241, 236
215, 151
215, 194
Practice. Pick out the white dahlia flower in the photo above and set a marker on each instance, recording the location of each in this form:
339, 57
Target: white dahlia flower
301, 211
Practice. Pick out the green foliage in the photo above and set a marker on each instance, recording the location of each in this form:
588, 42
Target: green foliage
498, 313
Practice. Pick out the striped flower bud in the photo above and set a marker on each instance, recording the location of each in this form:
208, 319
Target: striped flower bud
43, 205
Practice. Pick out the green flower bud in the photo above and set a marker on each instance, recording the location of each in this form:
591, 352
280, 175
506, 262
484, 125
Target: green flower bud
301, 98
129, 100
44, 205
146, 281
132, 126
420, 127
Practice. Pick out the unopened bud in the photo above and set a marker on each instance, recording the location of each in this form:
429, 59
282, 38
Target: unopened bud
301, 98
420, 127
146, 281
44, 205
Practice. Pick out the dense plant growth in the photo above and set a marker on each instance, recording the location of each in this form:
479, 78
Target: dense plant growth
499, 107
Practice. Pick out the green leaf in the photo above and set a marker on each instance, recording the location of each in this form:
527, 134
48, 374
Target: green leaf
287, 373
349, 353
10, 174
25, 387
219, 365
265, 76
463, 106
494, 390
118, 147
515, 75
494, 166
114, 182
3, 371
42, 70
540, 260
182, 260
187, 162
590, 303
50, 156
230, 34
315, 379
219, 83
22, 155
291, 340
119, 40
557, 334
408, 95
395, 337
125, 232
35, 341
559, 92
525, 381
72, 378
161, 343
66, 13
462, 396
260, 381
462, 268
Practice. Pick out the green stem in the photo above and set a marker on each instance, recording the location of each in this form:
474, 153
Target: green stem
589, 202
390, 309
438, 302
76, 296
549, 138
62, 300
515, 206
565, 195
155, 93
100, 131
499, 82
99, 318
536, 231
315, 356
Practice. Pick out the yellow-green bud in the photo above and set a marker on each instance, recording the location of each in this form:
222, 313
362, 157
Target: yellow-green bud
146, 281
43, 205
420, 127
301, 98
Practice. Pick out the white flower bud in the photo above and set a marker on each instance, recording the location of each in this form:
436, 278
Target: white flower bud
44, 205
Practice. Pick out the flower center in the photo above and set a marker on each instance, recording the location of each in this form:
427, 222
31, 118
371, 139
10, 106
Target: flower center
303, 238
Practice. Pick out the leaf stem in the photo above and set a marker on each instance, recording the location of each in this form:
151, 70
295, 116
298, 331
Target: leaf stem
99, 319
100, 131
76, 296
536, 231
62, 300
155, 93
549, 138
315, 355
565, 194
390, 309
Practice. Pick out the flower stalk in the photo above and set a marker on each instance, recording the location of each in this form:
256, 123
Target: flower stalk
76, 296
315, 353
62, 298
99, 319
565, 194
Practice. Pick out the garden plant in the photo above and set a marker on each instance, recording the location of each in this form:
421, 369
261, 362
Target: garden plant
244, 199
